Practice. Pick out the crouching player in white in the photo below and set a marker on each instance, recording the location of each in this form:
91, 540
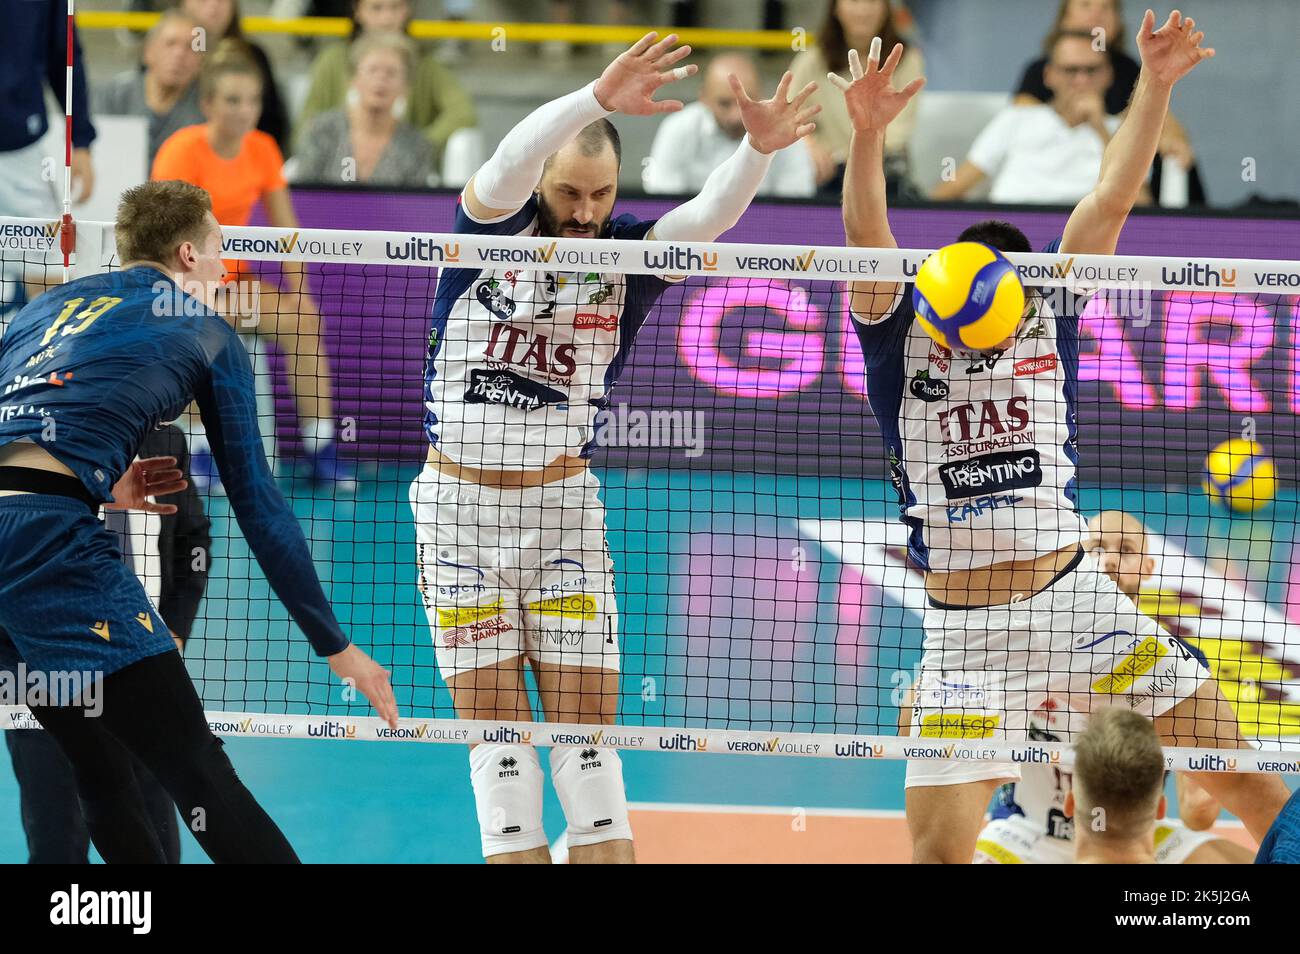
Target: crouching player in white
510, 526
1029, 823
985, 474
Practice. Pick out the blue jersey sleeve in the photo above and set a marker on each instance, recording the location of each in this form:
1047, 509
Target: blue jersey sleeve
883, 340
642, 290
511, 224
229, 410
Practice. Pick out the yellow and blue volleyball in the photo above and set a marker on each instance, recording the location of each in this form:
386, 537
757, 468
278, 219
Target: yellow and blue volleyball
1240, 476
968, 297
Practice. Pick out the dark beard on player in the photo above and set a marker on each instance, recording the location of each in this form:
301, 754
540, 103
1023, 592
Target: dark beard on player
552, 226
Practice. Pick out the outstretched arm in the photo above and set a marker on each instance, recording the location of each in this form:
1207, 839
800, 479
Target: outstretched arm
1168, 54
229, 411
873, 103
770, 124
505, 181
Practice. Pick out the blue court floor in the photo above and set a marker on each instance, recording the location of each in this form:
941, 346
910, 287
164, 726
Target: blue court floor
728, 618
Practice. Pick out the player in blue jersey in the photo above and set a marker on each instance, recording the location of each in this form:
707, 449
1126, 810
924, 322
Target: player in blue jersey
985, 474
514, 566
86, 371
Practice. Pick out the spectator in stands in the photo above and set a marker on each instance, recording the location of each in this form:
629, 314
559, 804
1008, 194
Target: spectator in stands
437, 104
691, 143
164, 89
1103, 20
1050, 153
1117, 792
239, 165
220, 19
853, 24
35, 55
365, 141
47, 790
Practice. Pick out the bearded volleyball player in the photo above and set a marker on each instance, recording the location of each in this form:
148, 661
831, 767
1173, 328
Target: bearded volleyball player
510, 526
1030, 824
1016, 606
90, 368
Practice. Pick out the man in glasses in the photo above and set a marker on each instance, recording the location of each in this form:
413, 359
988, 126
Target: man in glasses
1050, 153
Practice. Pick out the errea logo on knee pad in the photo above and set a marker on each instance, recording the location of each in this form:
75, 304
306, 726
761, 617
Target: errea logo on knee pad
508, 767
590, 759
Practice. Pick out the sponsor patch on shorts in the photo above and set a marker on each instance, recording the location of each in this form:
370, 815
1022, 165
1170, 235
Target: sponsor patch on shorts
473, 632
463, 615
996, 853
1137, 663
573, 606
959, 725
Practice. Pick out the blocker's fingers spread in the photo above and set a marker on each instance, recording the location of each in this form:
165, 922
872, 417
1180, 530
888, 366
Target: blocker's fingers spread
662, 47
672, 57
891, 62
855, 65
803, 95
677, 73
782, 93
643, 44
738, 88
807, 115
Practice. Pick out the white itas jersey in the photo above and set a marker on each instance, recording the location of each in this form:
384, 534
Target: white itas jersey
981, 448
521, 356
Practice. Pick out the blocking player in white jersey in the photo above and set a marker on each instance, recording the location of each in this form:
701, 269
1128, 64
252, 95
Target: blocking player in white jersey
510, 527
984, 467
1029, 823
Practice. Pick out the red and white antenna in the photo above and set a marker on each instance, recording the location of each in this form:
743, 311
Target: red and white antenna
68, 229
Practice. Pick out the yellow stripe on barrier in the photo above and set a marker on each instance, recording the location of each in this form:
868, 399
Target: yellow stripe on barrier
457, 30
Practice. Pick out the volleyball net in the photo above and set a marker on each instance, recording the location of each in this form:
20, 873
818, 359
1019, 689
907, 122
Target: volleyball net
762, 597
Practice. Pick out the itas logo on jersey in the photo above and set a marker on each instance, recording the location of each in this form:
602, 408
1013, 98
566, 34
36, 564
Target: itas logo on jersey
928, 389
493, 297
518, 347
992, 474
974, 421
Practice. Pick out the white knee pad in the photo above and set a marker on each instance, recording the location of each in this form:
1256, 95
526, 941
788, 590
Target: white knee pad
589, 782
508, 794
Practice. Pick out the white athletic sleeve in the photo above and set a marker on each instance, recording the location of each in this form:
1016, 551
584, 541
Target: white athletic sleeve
989, 150
507, 179
726, 194
665, 172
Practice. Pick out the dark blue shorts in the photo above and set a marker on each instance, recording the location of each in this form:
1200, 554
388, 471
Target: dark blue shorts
67, 601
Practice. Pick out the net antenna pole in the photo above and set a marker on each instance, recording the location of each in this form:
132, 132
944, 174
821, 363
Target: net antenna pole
68, 228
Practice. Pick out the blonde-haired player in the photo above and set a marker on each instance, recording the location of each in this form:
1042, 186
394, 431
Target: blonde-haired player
1031, 823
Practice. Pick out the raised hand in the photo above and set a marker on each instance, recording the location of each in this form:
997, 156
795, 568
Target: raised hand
151, 477
1170, 53
778, 122
872, 101
629, 83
